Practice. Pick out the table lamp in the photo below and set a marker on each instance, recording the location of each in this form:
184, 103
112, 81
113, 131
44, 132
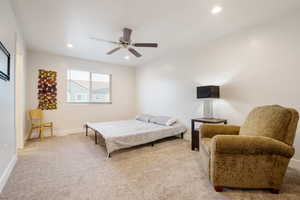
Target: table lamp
208, 94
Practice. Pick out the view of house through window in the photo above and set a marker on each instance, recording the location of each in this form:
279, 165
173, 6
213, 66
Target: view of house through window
87, 87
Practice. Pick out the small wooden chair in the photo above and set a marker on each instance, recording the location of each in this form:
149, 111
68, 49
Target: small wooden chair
36, 118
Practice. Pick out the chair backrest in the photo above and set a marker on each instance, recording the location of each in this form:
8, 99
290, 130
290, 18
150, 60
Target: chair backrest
36, 114
272, 121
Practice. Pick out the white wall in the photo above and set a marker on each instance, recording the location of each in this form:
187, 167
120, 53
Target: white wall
8, 33
70, 118
254, 67
20, 92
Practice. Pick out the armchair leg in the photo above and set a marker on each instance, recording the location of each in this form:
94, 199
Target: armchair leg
30, 133
42, 133
219, 188
274, 191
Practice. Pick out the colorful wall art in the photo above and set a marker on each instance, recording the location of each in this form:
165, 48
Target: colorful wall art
47, 90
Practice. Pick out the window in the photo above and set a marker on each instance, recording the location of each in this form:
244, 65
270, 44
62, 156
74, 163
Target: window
88, 87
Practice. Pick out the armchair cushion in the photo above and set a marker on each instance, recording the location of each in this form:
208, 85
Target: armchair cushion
250, 145
269, 121
209, 131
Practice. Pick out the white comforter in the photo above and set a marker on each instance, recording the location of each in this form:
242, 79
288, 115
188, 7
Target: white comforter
128, 133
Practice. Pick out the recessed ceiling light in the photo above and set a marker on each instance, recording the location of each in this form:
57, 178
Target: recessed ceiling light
216, 10
70, 45
127, 57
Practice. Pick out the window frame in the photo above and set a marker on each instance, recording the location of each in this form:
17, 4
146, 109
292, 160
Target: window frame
90, 88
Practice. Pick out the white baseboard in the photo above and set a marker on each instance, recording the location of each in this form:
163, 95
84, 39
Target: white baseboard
7, 171
68, 132
294, 163
60, 132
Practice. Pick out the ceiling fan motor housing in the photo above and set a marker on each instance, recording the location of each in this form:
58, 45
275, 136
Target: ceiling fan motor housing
125, 42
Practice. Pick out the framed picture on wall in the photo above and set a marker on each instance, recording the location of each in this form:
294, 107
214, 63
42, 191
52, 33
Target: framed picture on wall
4, 63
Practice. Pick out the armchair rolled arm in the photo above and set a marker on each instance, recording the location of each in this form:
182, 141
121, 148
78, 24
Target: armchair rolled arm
209, 130
250, 145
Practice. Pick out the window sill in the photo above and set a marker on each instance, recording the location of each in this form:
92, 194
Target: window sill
82, 103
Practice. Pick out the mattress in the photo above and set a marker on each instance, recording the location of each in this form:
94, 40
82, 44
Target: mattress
129, 133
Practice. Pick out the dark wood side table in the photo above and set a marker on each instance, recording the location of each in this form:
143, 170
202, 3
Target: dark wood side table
195, 133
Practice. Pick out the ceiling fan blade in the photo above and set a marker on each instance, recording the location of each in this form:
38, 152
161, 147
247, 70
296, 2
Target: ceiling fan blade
113, 51
134, 52
102, 40
126, 34
145, 44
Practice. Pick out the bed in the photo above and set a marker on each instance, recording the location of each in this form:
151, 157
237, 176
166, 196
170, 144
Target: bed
128, 133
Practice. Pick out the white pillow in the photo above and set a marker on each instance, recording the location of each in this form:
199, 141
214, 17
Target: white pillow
163, 120
144, 117
171, 121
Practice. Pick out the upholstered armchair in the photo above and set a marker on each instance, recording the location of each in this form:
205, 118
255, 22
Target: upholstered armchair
255, 155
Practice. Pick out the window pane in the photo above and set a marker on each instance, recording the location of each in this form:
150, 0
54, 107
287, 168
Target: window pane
78, 86
78, 75
100, 88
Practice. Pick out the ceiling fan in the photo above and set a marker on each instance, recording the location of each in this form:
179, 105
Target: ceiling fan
125, 42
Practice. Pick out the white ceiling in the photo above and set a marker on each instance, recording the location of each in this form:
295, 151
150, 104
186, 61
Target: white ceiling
48, 25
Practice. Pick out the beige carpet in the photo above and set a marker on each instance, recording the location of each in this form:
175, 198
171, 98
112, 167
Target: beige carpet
73, 167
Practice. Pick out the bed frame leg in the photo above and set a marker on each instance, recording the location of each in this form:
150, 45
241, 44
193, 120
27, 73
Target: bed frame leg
96, 139
152, 144
181, 135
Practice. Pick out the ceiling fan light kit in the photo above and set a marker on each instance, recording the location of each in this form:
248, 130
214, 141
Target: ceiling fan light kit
125, 42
